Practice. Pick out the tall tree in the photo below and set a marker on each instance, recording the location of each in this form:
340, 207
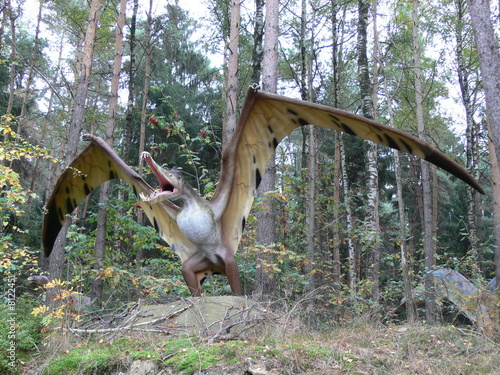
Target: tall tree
231, 112
489, 64
97, 283
429, 250
258, 35
144, 109
76, 123
466, 91
132, 77
266, 284
366, 90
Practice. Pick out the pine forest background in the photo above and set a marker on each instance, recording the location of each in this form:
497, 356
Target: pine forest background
162, 86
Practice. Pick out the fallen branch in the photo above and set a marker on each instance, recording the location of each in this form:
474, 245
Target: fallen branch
129, 327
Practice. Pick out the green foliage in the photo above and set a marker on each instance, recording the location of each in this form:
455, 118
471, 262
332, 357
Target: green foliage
19, 330
16, 258
90, 361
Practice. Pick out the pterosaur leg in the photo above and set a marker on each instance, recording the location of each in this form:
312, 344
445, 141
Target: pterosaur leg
232, 273
198, 263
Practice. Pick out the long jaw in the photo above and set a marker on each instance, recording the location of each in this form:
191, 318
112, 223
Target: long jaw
170, 182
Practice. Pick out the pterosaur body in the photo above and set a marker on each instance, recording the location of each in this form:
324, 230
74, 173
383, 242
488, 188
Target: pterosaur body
205, 234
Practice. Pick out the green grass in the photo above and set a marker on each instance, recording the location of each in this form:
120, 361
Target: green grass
354, 349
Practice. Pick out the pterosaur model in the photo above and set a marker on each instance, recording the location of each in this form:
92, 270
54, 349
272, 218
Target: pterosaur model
205, 234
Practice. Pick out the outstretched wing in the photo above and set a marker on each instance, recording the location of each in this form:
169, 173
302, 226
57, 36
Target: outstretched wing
97, 164
265, 120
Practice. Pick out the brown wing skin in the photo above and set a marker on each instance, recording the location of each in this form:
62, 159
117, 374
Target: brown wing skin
97, 164
266, 119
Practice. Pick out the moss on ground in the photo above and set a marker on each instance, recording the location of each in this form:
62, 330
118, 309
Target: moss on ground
357, 349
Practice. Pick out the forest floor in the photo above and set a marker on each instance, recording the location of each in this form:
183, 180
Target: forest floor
259, 340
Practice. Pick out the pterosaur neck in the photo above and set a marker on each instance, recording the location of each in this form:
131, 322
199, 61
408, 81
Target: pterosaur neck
191, 197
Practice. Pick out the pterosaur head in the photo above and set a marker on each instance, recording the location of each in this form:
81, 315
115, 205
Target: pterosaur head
171, 182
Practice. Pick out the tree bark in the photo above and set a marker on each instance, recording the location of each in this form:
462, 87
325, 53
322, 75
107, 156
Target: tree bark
97, 283
56, 260
489, 64
471, 136
129, 118
266, 284
258, 35
231, 114
145, 96
366, 90
495, 187
336, 59
429, 251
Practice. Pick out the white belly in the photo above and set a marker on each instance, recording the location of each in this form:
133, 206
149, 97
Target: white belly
199, 227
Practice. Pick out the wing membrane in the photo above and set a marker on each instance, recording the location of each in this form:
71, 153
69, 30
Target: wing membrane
97, 164
267, 118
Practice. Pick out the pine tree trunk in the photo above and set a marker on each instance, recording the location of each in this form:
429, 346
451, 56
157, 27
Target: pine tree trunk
129, 118
489, 64
97, 283
495, 192
429, 251
231, 113
145, 96
75, 127
265, 282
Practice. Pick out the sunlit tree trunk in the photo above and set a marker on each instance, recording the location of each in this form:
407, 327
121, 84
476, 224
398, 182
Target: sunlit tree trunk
231, 113
429, 251
489, 64
145, 96
495, 187
102, 216
56, 260
129, 118
265, 282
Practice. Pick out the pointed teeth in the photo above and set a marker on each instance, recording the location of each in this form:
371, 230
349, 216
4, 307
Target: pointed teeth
147, 198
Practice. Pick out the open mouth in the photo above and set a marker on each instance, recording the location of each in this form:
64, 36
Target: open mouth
165, 185
166, 188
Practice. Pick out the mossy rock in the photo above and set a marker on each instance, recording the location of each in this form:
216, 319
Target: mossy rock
224, 316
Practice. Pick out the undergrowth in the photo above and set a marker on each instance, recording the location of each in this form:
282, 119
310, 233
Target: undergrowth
362, 348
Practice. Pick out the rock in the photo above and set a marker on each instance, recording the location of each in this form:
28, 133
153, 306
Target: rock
143, 367
221, 317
